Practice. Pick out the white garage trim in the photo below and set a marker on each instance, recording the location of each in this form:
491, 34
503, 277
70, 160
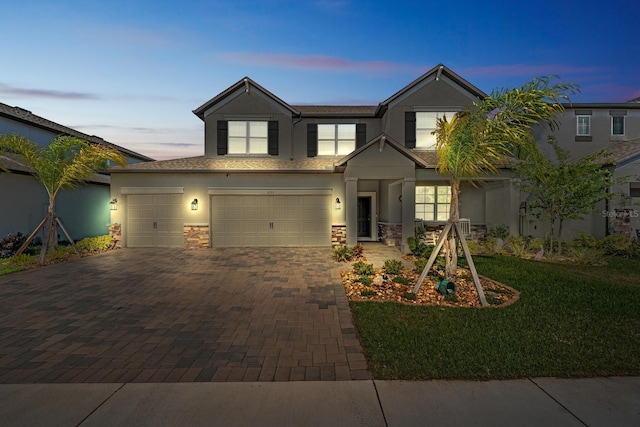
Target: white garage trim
221, 191
152, 190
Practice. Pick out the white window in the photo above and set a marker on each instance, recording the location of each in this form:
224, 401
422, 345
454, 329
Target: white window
426, 122
432, 202
617, 125
248, 137
336, 140
584, 126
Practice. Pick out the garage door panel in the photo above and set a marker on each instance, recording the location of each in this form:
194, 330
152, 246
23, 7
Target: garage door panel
154, 220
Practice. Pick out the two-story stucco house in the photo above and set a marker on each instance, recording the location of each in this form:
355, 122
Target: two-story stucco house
275, 174
84, 211
586, 129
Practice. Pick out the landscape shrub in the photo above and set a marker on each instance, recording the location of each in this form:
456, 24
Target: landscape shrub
9, 245
586, 255
499, 232
518, 245
363, 269
95, 244
392, 266
584, 240
401, 280
342, 253
23, 260
615, 245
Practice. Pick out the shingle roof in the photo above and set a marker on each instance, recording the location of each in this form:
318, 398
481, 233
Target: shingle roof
201, 164
623, 151
25, 116
337, 110
13, 163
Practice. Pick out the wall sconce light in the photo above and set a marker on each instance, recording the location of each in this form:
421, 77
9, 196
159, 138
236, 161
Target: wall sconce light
338, 204
113, 204
194, 205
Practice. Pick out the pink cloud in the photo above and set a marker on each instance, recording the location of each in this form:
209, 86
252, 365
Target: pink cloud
314, 62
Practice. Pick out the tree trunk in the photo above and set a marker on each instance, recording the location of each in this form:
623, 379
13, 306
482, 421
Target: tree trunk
50, 240
560, 237
451, 246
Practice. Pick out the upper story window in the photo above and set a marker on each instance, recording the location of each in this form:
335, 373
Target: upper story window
426, 122
432, 202
617, 125
336, 139
248, 137
583, 126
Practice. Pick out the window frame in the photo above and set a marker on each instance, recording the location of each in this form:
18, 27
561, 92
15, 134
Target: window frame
337, 141
248, 138
441, 208
419, 131
578, 118
613, 125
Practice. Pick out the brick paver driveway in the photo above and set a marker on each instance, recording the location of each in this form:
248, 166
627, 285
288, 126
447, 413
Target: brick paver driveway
153, 315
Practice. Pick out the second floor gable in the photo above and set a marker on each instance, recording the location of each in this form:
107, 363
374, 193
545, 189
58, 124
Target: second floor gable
248, 121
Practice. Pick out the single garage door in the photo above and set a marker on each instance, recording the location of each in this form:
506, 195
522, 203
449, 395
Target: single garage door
154, 220
271, 220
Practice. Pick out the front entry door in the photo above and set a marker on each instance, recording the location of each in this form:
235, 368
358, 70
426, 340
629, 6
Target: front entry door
364, 216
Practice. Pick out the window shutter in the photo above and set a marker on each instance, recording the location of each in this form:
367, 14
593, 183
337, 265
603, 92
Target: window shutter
273, 137
223, 136
410, 129
312, 140
361, 135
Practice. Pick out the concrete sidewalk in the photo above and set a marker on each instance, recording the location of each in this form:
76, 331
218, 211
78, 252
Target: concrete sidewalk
526, 402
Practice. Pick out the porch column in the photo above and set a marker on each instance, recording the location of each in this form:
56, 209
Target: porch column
408, 211
351, 202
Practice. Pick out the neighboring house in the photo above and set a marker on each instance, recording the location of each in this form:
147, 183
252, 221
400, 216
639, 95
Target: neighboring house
586, 129
275, 174
84, 211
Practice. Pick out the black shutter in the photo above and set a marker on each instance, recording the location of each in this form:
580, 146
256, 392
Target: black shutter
410, 129
223, 136
312, 140
273, 138
361, 135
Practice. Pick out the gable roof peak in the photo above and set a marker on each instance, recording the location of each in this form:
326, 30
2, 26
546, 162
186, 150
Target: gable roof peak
435, 73
247, 83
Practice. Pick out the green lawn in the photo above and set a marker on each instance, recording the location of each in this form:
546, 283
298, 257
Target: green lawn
571, 320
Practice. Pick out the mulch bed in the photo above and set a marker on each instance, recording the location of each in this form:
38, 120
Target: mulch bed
383, 288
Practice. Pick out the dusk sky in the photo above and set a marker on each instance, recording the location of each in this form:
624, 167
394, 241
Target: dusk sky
132, 71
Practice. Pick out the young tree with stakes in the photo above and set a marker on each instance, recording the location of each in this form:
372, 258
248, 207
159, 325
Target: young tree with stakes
66, 163
474, 143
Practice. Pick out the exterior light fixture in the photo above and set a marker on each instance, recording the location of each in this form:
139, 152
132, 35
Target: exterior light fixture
113, 204
337, 203
194, 205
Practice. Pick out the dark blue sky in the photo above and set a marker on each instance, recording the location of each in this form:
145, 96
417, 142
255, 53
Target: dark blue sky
132, 71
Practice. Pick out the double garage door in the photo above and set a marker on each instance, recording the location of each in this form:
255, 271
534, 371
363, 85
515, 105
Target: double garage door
270, 220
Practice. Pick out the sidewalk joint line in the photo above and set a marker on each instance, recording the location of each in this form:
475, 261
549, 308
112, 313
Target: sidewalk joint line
100, 405
384, 417
558, 402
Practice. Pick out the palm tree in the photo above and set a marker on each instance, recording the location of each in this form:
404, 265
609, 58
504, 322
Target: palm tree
66, 163
477, 141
